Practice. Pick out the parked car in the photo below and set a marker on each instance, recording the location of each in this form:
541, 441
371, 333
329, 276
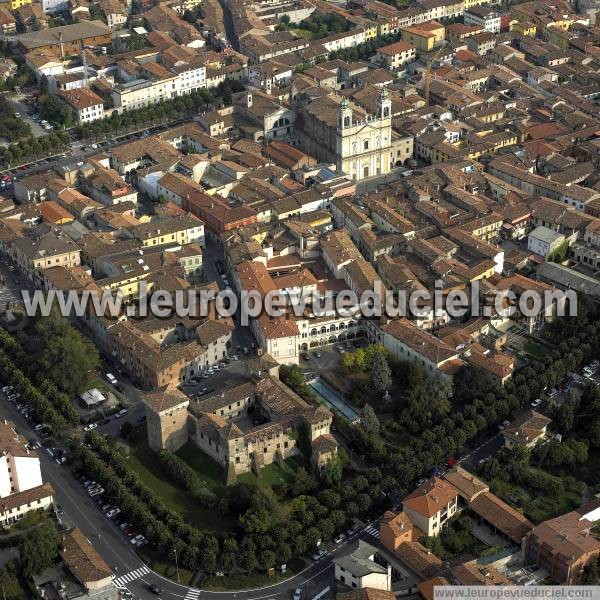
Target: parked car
111, 514
319, 555
111, 379
339, 539
537, 402
298, 594
121, 413
90, 426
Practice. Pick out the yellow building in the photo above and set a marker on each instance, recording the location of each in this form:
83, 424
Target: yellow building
425, 36
524, 28
370, 31
470, 3
14, 4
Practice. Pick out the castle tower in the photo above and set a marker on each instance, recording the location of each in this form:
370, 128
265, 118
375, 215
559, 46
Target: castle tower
166, 418
344, 115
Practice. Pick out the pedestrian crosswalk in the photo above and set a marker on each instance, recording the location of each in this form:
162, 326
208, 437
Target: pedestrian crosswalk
192, 594
131, 576
373, 531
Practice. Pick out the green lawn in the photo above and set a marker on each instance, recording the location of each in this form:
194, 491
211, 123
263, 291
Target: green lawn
535, 348
209, 470
273, 474
535, 508
241, 581
143, 460
156, 561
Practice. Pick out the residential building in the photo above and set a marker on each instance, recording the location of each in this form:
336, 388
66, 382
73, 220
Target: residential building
363, 568
483, 16
85, 104
544, 241
527, 430
22, 489
431, 505
563, 547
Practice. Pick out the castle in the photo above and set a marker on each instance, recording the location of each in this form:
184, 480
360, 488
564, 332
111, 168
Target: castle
255, 421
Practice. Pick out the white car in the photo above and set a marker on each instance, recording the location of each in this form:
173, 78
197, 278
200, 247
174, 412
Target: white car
90, 427
339, 539
111, 379
113, 512
298, 594
95, 491
536, 403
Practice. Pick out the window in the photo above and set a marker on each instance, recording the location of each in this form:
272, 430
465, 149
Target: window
366, 145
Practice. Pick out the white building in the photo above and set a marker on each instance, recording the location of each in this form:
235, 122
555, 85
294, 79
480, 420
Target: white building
483, 16
363, 568
86, 105
544, 241
21, 487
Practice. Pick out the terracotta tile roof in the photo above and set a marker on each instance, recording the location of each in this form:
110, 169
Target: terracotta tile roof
367, 594
431, 497
399, 523
165, 398
567, 536
471, 573
419, 559
26, 497
82, 560
503, 517
467, 485
426, 587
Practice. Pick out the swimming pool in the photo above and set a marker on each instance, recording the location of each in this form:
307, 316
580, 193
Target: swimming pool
334, 399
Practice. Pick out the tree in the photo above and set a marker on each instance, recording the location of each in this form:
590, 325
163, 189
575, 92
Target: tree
381, 376
39, 548
369, 420
9, 582
65, 357
57, 111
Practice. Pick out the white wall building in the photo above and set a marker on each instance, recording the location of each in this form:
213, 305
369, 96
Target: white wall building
363, 568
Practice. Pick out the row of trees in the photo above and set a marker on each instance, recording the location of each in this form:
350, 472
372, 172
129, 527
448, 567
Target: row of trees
169, 110
32, 148
187, 478
265, 533
52, 406
163, 527
12, 127
366, 50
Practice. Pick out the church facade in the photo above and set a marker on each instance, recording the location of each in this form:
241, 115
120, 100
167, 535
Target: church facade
336, 131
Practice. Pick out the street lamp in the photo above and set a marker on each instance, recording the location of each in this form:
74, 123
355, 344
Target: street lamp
176, 564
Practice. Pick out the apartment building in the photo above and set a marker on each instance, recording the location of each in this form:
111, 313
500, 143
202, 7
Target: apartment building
41, 248
483, 16
395, 56
22, 489
562, 546
85, 104
431, 505
362, 568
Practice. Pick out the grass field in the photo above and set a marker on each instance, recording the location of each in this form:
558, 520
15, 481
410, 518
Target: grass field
143, 461
242, 581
